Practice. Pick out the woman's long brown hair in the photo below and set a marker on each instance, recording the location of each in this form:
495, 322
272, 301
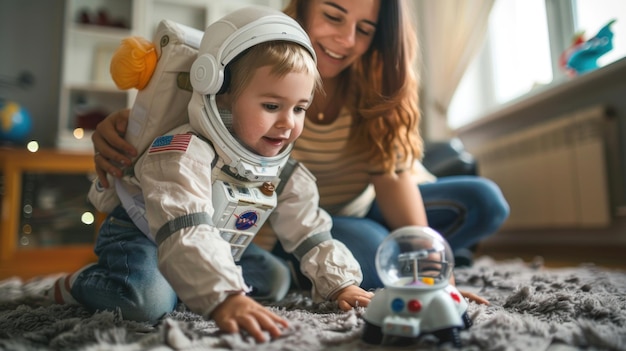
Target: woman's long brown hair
382, 87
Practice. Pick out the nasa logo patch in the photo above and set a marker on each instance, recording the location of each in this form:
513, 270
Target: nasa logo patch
246, 220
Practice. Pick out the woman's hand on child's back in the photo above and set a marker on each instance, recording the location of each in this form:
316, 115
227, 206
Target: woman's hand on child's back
353, 296
112, 151
240, 312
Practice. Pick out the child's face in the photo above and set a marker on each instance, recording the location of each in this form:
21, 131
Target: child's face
269, 113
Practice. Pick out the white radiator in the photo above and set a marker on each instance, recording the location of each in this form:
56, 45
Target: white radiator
554, 175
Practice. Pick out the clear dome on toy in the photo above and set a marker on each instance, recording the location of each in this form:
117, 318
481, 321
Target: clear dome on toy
414, 257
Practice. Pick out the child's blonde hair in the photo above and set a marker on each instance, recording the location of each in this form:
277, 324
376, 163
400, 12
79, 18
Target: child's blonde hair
284, 57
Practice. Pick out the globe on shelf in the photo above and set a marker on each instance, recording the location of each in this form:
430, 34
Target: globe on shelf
15, 122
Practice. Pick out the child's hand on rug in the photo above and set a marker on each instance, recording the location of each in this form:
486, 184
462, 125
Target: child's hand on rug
353, 296
241, 312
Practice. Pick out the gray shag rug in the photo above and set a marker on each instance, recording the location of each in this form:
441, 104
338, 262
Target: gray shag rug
532, 308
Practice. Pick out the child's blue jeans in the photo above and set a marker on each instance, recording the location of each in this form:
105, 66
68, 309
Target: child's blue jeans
126, 276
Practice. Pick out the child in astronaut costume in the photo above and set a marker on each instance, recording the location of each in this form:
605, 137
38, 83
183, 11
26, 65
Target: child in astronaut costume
198, 185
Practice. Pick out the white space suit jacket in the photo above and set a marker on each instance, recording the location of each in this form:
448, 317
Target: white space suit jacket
197, 262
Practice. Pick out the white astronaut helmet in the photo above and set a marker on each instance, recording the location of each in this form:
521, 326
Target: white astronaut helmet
222, 42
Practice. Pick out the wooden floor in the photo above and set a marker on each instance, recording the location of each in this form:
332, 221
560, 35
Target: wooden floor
557, 255
602, 246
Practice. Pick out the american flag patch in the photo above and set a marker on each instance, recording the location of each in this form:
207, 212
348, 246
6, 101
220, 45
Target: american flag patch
178, 142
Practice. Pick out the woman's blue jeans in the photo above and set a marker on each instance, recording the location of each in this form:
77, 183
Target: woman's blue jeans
464, 209
126, 276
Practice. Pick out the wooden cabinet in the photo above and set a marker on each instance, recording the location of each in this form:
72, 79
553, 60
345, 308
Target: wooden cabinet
47, 225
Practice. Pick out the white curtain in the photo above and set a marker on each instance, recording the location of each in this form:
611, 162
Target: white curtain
451, 34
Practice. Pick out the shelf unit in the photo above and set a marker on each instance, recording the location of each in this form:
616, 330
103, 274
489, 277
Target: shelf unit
87, 92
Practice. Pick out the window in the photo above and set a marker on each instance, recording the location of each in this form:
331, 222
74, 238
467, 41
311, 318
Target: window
521, 51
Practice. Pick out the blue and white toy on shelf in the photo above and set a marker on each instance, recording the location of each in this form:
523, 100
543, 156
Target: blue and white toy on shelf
584, 57
415, 264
